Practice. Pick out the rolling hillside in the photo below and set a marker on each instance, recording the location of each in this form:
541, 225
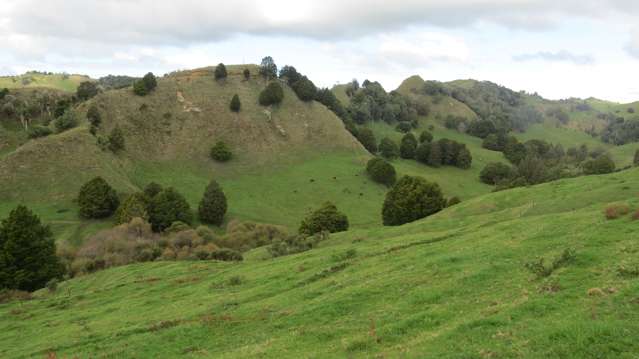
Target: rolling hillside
64, 82
455, 285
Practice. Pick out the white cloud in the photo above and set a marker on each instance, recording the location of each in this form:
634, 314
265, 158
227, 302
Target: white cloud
558, 56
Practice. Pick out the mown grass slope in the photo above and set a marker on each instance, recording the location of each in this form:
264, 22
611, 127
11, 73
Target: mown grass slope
450, 286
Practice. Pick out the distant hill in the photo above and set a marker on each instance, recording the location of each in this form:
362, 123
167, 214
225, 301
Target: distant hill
64, 82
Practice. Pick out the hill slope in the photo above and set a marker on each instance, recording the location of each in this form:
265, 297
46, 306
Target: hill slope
64, 82
451, 286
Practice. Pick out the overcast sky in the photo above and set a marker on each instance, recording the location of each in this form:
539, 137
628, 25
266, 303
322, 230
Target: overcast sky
558, 48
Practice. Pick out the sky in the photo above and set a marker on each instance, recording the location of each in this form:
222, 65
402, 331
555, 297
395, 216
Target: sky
558, 48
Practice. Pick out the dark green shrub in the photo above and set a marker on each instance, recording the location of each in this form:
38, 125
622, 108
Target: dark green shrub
139, 88
404, 127
213, 205
134, 206
540, 270
381, 171
228, 255
600, 165
247, 74
38, 131
65, 122
235, 103
408, 146
97, 199
422, 154
27, 252
94, 118
150, 82
410, 199
220, 72
425, 136
366, 137
86, 90
388, 148
152, 189
220, 152
305, 89
327, 218
273, 94
167, 207
463, 159
116, 140
495, 173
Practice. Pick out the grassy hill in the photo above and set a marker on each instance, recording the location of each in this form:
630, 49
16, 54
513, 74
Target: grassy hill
454, 285
64, 82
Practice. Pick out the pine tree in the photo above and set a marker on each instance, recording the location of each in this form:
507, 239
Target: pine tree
213, 205
220, 72
97, 199
27, 252
235, 103
167, 207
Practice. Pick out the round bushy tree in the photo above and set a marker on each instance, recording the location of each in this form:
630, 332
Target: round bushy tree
410, 199
408, 146
381, 171
134, 206
27, 252
139, 88
221, 152
425, 136
327, 218
435, 156
152, 189
273, 94
150, 82
116, 140
422, 154
213, 205
366, 137
220, 72
235, 103
167, 207
600, 165
495, 173
388, 148
464, 158
65, 122
86, 90
97, 199
305, 89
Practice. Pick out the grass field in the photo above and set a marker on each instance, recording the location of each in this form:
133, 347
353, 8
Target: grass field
68, 83
451, 286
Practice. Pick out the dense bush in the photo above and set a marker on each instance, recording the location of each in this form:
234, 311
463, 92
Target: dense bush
94, 118
220, 72
247, 74
167, 207
495, 173
372, 102
304, 89
116, 140
144, 86
600, 165
410, 199
152, 189
37, 131
408, 146
326, 97
244, 236
444, 152
97, 199
86, 90
425, 136
481, 128
65, 122
381, 171
27, 252
326, 218
404, 127
221, 152
227, 255
273, 94
388, 148
366, 137
452, 201
134, 206
422, 154
235, 103
213, 205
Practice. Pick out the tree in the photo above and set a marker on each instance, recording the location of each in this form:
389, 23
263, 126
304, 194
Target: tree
167, 207
27, 252
247, 74
221, 152
268, 69
366, 137
600, 165
134, 206
65, 122
220, 72
425, 136
290, 74
139, 88
86, 90
463, 159
152, 189
94, 118
235, 103
481, 128
404, 127
410, 199
213, 205
388, 148
116, 140
408, 146
97, 199
327, 218
150, 82
305, 89
495, 173
435, 156
422, 154
273, 94
636, 159
381, 171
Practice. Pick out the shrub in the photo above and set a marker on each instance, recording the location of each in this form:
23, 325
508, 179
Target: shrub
116, 140
326, 218
213, 205
97, 199
38, 131
152, 189
139, 88
381, 171
273, 94
244, 236
65, 122
220, 152
463, 159
225, 254
600, 165
235, 103
388, 148
167, 207
425, 136
305, 89
408, 146
495, 173
404, 127
94, 118
616, 211
144, 86
296, 244
366, 137
220, 72
27, 252
541, 270
410, 199
422, 154
134, 206
453, 201
247, 74
86, 90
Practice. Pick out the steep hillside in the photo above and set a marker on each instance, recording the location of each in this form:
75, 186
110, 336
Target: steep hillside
455, 285
64, 82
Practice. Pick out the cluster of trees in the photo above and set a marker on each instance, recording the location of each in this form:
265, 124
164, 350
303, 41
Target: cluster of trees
38, 107
303, 87
620, 131
114, 82
144, 86
444, 152
372, 103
